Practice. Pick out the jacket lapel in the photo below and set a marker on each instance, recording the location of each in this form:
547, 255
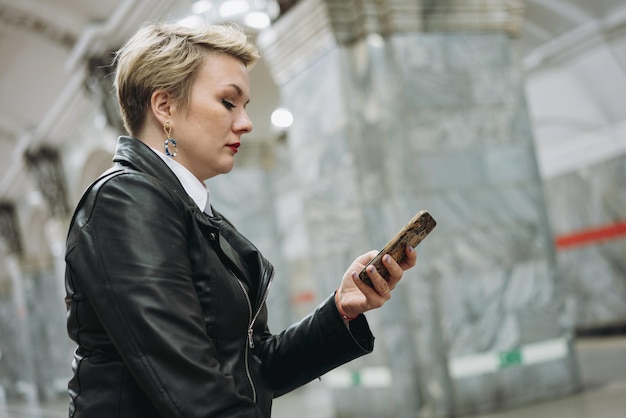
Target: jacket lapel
134, 153
225, 250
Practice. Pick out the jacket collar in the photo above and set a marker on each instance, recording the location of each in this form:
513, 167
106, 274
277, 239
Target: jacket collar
133, 153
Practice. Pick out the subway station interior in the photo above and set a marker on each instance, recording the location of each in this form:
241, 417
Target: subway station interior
505, 119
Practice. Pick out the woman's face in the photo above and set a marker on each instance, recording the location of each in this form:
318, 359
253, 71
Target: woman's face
209, 132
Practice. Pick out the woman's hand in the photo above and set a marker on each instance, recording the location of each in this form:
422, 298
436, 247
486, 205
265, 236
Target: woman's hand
355, 297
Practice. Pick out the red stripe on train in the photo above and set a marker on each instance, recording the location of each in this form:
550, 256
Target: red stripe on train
591, 235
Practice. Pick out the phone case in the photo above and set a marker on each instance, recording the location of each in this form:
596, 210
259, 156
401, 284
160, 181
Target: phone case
412, 234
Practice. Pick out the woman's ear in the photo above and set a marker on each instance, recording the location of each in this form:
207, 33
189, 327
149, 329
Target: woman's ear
162, 105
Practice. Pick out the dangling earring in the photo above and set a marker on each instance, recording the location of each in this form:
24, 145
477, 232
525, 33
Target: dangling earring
167, 127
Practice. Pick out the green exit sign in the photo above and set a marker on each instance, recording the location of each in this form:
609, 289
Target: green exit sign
510, 358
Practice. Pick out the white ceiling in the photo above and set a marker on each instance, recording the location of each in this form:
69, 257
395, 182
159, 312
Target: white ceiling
43, 44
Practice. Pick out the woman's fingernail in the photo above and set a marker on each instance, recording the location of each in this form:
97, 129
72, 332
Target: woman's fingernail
411, 249
386, 258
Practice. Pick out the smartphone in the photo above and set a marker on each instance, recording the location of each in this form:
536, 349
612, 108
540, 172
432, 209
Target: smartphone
412, 234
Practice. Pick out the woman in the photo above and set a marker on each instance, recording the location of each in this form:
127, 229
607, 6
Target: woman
166, 300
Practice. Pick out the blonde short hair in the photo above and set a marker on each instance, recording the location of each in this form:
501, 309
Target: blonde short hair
167, 56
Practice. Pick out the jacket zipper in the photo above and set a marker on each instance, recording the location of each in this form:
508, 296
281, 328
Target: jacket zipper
251, 320
258, 311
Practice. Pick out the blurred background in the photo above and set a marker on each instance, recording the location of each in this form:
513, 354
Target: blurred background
506, 119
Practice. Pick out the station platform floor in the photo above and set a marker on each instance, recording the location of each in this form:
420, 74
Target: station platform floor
602, 362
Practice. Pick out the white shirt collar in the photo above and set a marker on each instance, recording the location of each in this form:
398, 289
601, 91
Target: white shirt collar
197, 190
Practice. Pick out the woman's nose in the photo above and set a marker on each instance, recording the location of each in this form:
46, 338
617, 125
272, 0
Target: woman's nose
243, 124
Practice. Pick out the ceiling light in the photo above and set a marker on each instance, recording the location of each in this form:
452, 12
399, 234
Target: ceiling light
201, 7
282, 118
233, 7
192, 21
257, 20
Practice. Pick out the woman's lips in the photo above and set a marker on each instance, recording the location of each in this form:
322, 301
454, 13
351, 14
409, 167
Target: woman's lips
234, 146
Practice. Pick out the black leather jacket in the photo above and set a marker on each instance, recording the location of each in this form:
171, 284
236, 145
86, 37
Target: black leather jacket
167, 306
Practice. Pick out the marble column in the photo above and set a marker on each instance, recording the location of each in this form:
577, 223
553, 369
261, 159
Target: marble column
595, 272
39, 280
18, 376
401, 106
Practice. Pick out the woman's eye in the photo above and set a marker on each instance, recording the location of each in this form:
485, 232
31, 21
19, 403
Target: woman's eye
228, 105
